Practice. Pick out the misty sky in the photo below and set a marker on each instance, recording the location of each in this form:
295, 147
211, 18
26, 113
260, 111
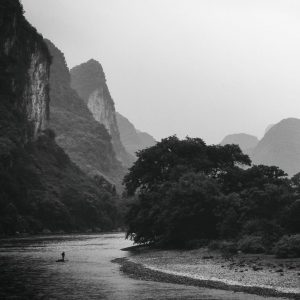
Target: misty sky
203, 68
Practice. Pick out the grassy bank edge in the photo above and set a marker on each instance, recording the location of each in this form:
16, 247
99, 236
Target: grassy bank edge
139, 271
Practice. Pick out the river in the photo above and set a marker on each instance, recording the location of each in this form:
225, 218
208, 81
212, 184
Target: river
28, 270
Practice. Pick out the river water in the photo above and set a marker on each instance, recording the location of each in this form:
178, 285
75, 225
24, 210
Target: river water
28, 270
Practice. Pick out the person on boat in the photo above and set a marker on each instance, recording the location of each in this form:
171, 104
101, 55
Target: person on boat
63, 256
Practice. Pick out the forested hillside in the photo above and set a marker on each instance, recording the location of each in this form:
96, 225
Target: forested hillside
41, 189
85, 140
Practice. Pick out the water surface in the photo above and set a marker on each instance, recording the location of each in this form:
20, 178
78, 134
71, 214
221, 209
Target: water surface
28, 270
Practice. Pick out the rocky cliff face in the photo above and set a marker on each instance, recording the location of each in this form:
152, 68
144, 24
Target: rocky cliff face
280, 146
88, 79
40, 187
246, 142
26, 84
36, 94
87, 141
103, 111
133, 139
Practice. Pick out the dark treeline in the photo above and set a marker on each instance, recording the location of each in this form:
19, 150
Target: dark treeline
185, 193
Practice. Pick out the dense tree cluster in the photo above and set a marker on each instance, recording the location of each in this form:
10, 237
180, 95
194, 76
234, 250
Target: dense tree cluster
185, 190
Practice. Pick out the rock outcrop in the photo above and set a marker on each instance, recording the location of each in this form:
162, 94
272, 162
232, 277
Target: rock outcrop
246, 142
88, 79
40, 187
26, 84
280, 146
133, 139
85, 140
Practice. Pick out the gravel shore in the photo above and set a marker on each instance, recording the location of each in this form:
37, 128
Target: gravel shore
254, 274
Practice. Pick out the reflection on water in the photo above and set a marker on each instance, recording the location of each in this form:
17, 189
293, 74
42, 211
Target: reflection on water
29, 271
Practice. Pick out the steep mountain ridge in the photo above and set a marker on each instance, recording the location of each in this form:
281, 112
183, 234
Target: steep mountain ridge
86, 141
40, 187
133, 139
88, 79
280, 146
24, 85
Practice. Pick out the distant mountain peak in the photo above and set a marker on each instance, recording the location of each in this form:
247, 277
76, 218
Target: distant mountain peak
95, 64
87, 142
280, 146
88, 80
92, 63
244, 140
132, 138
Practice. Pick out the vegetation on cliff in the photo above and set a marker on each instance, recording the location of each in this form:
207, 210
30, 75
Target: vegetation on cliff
88, 80
40, 187
86, 141
185, 191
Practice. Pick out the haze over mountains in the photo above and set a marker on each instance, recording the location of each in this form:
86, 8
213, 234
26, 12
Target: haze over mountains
246, 142
88, 80
76, 114
133, 139
280, 145
85, 140
83, 116
236, 62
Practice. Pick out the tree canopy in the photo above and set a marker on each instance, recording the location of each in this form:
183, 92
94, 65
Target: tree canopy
171, 158
184, 190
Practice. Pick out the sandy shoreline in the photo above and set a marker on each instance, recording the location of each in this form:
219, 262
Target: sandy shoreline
240, 274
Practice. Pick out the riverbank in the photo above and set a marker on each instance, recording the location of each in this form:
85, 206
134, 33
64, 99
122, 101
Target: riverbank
59, 233
255, 274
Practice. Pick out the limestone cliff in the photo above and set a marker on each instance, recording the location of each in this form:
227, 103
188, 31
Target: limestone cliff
88, 79
133, 139
36, 94
87, 141
26, 84
40, 187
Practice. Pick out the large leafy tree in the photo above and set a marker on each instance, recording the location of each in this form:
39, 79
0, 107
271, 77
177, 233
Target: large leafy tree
176, 190
175, 212
186, 190
172, 157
